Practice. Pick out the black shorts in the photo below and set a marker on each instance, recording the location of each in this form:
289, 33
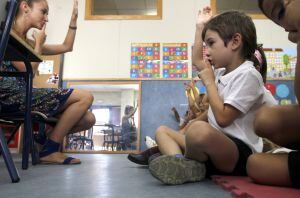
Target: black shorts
240, 167
293, 146
294, 168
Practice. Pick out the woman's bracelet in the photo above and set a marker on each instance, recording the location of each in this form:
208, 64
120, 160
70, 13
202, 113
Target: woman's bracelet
73, 27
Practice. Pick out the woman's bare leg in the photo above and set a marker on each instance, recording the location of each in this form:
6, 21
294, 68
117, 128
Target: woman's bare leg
73, 112
85, 123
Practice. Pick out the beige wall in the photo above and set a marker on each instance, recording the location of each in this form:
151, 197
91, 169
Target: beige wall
102, 48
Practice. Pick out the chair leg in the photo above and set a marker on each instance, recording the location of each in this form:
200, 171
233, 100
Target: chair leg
26, 148
14, 175
92, 145
27, 122
34, 151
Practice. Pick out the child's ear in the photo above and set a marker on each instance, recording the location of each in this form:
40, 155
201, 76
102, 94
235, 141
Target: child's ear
236, 41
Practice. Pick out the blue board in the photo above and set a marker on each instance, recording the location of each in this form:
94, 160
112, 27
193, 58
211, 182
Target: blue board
158, 98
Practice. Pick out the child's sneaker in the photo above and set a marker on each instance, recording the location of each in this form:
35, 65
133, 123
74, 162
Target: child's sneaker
174, 170
150, 142
154, 156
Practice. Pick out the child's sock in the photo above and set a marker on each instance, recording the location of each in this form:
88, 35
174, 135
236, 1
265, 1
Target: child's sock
179, 156
49, 147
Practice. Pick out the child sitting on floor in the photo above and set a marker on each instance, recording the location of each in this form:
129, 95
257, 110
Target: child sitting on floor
235, 91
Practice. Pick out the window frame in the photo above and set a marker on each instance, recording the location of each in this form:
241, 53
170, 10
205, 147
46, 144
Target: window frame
89, 16
213, 4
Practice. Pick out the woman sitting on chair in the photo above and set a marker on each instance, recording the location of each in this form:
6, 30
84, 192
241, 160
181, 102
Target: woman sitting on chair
70, 106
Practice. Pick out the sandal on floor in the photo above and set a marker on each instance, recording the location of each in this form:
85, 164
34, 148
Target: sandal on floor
59, 158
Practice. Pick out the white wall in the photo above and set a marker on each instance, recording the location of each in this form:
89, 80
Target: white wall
102, 47
107, 98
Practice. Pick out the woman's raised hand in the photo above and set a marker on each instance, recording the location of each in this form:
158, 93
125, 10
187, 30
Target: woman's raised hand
74, 13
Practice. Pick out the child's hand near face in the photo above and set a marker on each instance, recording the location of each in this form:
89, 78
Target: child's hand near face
206, 73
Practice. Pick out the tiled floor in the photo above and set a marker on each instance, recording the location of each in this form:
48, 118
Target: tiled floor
102, 175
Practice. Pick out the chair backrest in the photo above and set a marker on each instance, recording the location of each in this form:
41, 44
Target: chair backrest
7, 14
90, 133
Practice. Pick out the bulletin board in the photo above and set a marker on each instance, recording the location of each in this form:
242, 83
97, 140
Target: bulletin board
49, 73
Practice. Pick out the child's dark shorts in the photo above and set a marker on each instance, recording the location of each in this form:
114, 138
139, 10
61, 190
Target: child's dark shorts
294, 168
240, 168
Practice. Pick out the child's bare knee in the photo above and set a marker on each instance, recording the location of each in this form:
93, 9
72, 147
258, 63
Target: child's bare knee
161, 130
198, 135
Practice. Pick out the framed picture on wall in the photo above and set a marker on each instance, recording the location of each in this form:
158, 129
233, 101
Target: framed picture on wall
249, 7
49, 74
123, 10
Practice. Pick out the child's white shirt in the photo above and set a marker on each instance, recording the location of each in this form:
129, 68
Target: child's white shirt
242, 88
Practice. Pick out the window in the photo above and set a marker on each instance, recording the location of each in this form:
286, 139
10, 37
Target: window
123, 9
102, 115
250, 7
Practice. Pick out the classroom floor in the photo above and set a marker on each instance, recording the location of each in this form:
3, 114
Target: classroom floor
101, 176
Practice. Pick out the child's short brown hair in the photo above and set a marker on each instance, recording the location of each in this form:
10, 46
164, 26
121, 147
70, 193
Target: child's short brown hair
228, 24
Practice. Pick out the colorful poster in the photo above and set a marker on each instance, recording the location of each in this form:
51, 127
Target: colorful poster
145, 60
194, 70
175, 60
281, 63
